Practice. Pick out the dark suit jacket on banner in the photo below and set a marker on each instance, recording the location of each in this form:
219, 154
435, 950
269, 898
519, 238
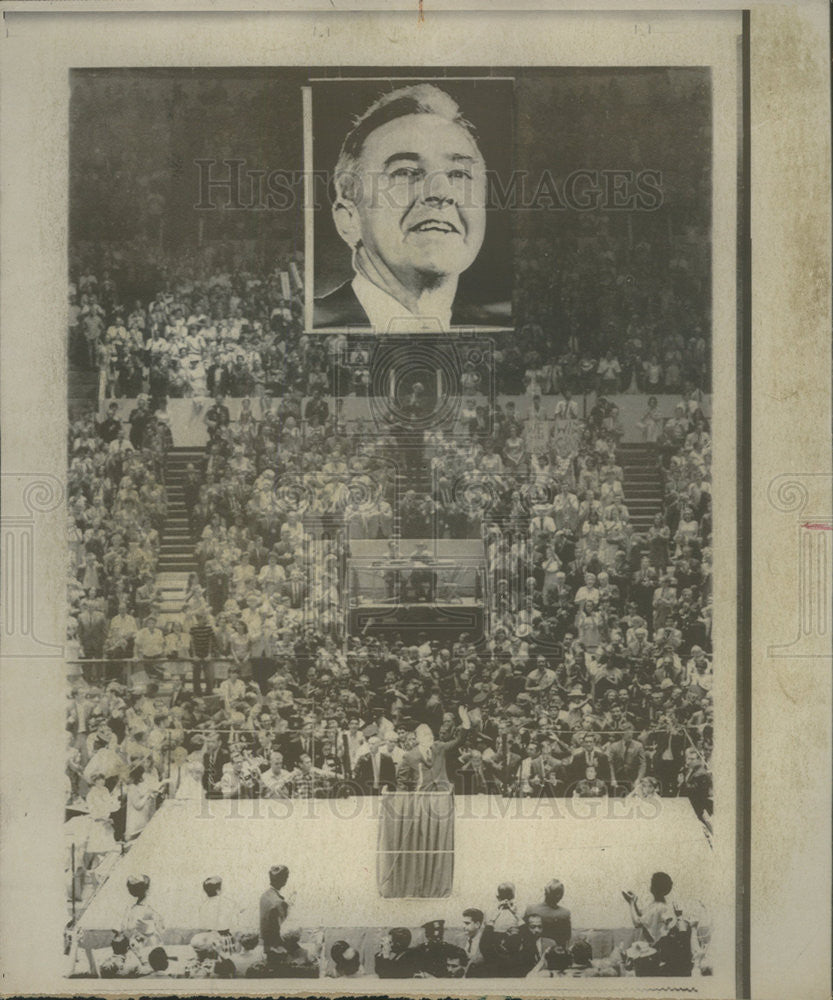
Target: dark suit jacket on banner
341, 307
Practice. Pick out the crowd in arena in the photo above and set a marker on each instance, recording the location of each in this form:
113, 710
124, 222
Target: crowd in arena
330, 724
506, 940
236, 327
592, 630
588, 631
116, 511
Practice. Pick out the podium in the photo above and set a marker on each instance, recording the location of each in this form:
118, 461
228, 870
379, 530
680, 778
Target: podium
407, 595
415, 848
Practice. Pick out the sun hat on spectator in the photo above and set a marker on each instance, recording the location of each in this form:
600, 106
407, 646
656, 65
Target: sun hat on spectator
640, 949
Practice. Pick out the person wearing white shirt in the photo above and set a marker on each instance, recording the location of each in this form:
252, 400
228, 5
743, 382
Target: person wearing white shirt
567, 408
589, 591
272, 576
698, 670
353, 743
120, 444
273, 783
542, 523
149, 643
242, 575
473, 929
217, 913
232, 689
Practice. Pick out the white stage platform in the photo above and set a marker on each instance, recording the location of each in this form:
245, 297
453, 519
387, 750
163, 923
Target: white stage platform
596, 848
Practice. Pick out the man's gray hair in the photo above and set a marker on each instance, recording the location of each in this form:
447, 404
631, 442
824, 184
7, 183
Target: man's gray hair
419, 99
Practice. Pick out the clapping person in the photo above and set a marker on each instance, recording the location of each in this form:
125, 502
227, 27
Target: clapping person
506, 914
274, 782
141, 923
142, 790
652, 920
394, 959
101, 803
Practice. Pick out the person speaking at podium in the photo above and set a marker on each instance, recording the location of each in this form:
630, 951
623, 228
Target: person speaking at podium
422, 580
423, 768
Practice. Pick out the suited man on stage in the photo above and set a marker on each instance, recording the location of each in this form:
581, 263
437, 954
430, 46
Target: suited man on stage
213, 760
588, 755
353, 744
628, 759
423, 768
375, 771
410, 203
540, 771
503, 767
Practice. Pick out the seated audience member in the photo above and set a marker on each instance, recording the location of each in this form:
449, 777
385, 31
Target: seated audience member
124, 963
159, 965
207, 962
590, 787
517, 952
431, 958
394, 959
292, 960
249, 958
346, 961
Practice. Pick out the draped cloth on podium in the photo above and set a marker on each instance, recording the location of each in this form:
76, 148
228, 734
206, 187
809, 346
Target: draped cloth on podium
415, 853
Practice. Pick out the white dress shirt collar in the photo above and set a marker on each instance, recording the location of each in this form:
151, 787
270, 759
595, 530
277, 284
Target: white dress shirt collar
387, 315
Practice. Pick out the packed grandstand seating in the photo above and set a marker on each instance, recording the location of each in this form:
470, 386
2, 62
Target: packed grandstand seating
593, 629
587, 671
225, 324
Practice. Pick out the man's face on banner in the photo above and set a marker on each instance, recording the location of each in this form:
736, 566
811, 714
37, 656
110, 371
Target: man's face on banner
422, 196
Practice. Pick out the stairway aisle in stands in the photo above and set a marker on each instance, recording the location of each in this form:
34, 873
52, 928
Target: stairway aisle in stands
82, 389
413, 476
176, 553
642, 483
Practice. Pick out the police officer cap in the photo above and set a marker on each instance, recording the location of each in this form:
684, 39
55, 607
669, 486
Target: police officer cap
434, 925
